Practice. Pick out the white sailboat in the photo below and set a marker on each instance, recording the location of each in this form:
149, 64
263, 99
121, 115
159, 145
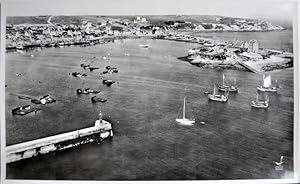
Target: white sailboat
227, 87
260, 103
217, 97
267, 85
184, 120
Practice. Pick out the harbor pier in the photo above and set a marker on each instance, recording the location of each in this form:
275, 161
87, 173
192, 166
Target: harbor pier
101, 130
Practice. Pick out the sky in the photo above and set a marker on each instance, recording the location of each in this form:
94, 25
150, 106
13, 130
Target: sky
279, 10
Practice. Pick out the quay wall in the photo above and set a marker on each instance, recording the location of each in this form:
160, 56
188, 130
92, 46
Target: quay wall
58, 142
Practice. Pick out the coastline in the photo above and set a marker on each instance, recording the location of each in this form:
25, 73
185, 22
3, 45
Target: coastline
185, 38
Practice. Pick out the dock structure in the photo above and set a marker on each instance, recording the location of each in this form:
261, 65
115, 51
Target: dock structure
274, 51
248, 67
101, 130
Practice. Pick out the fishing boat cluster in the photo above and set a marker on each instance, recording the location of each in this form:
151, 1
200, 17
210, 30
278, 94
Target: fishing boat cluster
258, 103
225, 87
107, 82
26, 109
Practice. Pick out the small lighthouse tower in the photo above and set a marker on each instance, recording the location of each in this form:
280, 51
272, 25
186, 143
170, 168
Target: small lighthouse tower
99, 121
100, 116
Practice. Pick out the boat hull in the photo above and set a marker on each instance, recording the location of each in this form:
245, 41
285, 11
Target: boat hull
217, 98
228, 88
262, 105
185, 121
271, 89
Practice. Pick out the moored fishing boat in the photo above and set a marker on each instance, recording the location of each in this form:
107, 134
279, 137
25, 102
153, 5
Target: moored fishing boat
226, 87
267, 85
98, 99
23, 110
43, 100
218, 97
77, 74
87, 91
260, 103
108, 82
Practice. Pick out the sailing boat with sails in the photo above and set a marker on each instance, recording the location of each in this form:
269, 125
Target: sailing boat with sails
184, 120
267, 85
227, 87
218, 97
260, 103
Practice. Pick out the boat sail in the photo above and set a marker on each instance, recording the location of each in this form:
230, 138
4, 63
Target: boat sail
227, 87
267, 85
217, 97
184, 120
260, 103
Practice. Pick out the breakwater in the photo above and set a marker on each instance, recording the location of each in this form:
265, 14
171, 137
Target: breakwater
63, 141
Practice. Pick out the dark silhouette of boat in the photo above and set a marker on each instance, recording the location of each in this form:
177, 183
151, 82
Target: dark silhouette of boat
23, 110
24, 97
108, 82
93, 68
110, 70
87, 91
89, 67
77, 74
43, 100
98, 99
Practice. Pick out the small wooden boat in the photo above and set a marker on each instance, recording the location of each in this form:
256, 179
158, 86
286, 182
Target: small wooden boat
47, 99
84, 66
108, 82
77, 74
43, 100
112, 69
93, 68
24, 97
23, 110
87, 91
98, 99
260, 103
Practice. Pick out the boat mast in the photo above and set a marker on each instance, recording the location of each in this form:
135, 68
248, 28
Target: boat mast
257, 97
183, 112
214, 89
223, 79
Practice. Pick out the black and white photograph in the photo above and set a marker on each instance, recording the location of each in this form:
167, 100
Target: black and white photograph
150, 90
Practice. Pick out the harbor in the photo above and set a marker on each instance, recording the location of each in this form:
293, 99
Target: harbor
150, 87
